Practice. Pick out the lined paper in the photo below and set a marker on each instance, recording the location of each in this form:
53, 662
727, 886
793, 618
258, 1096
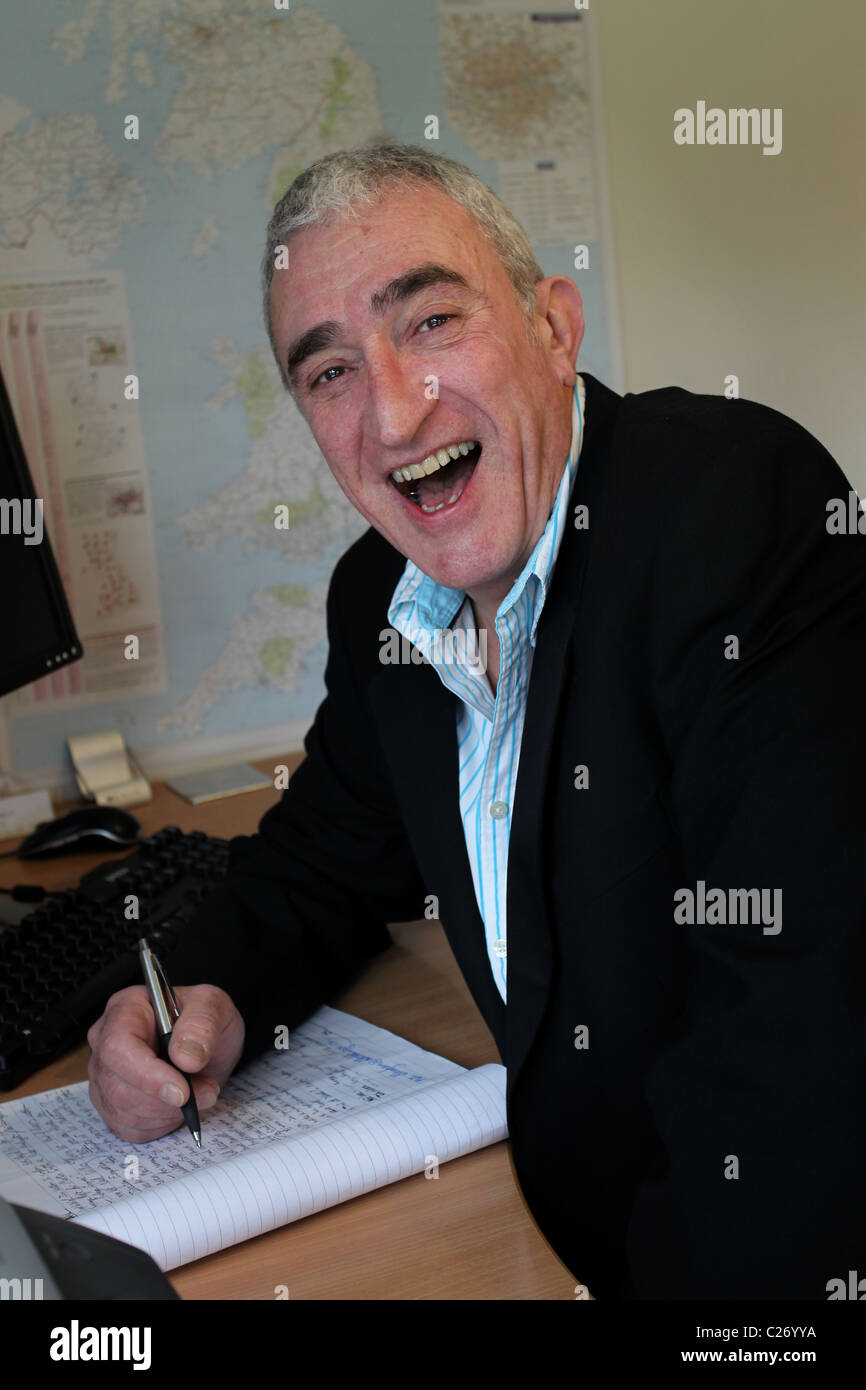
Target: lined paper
349, 1107
258, 1191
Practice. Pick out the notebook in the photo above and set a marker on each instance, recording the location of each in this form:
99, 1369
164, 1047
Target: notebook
345, 1108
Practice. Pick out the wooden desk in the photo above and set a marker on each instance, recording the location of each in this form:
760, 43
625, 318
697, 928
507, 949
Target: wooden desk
465, 1235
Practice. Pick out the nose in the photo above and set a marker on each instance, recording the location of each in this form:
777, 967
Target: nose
399, 397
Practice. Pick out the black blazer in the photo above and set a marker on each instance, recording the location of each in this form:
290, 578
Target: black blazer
709, 1141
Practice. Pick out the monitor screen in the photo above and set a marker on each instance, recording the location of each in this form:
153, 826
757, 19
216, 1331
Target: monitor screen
37, 633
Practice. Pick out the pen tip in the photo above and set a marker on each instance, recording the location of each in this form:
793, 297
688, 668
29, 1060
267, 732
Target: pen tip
197, 1137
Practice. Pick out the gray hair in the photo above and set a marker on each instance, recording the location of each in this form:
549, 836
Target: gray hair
336, 184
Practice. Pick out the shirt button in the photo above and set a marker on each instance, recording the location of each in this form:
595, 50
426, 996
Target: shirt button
498, 809
500, 949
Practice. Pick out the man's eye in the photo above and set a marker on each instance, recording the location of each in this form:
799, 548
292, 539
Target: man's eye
322, 375
442, 318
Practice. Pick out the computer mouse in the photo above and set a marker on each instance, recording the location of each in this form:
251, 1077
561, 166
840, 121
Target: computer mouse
87, 828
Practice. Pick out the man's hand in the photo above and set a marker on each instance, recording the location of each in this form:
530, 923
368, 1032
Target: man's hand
137, 1094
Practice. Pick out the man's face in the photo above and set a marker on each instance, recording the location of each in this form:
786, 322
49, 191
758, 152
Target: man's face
408, 300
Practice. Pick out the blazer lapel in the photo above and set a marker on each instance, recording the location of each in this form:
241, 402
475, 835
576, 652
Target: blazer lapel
531, 911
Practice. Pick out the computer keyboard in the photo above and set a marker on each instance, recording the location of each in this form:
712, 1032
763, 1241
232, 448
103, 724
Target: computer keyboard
61, 963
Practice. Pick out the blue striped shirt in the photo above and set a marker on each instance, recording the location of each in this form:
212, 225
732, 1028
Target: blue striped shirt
489, 728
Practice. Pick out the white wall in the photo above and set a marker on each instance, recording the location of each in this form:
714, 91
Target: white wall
729, 260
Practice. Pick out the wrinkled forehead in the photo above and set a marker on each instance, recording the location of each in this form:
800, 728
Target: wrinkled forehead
335, 267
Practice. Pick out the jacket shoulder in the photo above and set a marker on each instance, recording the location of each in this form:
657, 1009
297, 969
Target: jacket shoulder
681, 444
689, 416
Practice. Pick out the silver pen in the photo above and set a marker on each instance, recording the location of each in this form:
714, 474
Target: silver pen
167, 1012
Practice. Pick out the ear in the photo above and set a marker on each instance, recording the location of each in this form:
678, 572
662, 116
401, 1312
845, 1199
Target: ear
559, 321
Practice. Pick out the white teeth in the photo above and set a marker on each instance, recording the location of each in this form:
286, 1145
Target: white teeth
438, 508
433, 461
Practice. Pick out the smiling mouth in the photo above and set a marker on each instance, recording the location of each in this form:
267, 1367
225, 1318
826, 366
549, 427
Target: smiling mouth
442, 486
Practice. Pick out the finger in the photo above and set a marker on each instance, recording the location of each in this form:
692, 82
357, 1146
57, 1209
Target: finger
206, 1015
136, 1114
125, 1062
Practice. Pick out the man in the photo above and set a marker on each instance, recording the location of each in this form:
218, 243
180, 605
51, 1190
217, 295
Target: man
644, 824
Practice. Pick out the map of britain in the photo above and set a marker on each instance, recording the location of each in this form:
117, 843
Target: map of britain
151, 139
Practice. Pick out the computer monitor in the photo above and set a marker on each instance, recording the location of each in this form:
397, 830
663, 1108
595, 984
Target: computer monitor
37, 633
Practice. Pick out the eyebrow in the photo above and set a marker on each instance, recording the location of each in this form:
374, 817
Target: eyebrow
314, 340
420, 277
403, 287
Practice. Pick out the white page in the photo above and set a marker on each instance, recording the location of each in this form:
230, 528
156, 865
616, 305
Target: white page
57, 1155
198, 1214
